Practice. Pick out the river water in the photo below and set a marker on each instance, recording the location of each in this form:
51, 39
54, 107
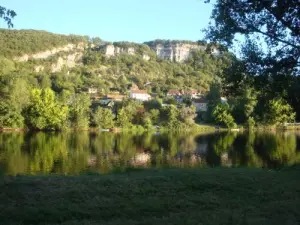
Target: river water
80, 152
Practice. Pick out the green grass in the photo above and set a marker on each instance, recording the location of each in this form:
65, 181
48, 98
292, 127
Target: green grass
162, 197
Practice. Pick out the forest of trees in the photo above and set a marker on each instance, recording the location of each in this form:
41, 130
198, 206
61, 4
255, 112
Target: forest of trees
262, 85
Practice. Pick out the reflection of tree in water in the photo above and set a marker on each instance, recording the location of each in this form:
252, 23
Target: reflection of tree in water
74, 152
222, 146
103, 145
43, 150
79, 153
12, 159
243, 153
277, 149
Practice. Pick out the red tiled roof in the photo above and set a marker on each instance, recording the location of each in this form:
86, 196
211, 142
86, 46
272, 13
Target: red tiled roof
191, 92
174, 92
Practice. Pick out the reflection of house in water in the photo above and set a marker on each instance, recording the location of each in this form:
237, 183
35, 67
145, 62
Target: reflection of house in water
92, 160
141, 159
225, 160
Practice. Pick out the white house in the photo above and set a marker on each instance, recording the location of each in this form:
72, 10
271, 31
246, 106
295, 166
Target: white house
200, 104
92, 90
141, 95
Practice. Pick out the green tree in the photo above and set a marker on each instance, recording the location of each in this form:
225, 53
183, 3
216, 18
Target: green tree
213, 98
104, 118
278, 111
172, 117
123, 119
7, 15
44, 112
244, 105
222, 116
154, 115
276, 22
187, 115
79, 111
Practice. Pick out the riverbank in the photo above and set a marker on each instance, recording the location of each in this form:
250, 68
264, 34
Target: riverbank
170, 196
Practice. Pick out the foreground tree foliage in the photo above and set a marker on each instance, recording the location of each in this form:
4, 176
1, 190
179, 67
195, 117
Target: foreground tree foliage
222, 116
270, 53
275, 21
279, 112
44, 112
7, 15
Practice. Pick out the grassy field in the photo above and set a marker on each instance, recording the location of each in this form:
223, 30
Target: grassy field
170, 196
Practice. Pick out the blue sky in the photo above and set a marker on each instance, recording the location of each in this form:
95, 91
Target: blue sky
114, 20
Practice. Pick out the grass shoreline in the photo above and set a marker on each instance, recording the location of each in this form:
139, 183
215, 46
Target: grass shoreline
207, 196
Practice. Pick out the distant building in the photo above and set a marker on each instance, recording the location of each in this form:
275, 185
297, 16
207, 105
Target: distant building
200, 104
92, 90
180, 93
140, 95
224, 100
192, 93
175, 93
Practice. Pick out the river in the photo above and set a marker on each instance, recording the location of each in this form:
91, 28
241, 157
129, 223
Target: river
75, 153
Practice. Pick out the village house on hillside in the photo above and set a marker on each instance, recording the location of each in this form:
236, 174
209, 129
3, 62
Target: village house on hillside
175, 93
136, 93
200, 104
141, 95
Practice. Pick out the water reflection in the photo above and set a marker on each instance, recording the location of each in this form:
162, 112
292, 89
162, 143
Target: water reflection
76, 152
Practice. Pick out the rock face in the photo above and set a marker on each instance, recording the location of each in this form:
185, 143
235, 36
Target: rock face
68, 61
111, 50
178, 52
48, 53
72, 55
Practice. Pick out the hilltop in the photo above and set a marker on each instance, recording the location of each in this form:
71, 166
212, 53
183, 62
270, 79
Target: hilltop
165, 63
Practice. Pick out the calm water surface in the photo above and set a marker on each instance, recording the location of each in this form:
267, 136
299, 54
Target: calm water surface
78, 152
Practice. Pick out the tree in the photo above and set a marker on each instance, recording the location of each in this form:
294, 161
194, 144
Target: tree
7, 15
104, 118
123, 119
79, 111
187, 115
44, 112
172, 117
270, 52
222, 116
278, 112
154, 115
213, 98
276, 22
244, 105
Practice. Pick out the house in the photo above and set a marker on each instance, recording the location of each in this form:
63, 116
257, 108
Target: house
110, 99
140, 95
175, 93
92, 90
193, 93
180, 93
200, 104
224, 100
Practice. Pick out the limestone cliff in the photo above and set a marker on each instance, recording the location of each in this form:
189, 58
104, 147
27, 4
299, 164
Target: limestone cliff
178, 52
70, 56
169, 50
48, 53
111, 50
